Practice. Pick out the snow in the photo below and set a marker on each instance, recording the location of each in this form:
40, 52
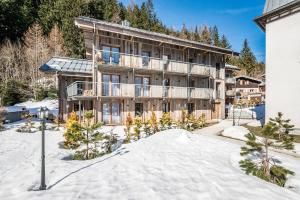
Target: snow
34, 106
255, 112
173, 164
255, 123
237, 132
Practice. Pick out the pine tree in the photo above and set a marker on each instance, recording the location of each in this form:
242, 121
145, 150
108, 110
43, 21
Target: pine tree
166, 121
184, 34
154, 123
214, 33
89, 137
196, 35
247, 60
284, 127
265, 167
224, 43
129, 123
137, 128
55, 42
205, 36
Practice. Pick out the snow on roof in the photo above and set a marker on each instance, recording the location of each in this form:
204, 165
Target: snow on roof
275, 4
64, 64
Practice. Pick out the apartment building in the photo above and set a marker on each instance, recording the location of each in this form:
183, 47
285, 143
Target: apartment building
249, 89
134, 71
281, 22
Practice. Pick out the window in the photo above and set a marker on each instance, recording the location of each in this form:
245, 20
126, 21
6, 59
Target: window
142, 86
146, 58
110, 85
138, 109
190, 107
111, 112
251, 90
111, 55
166, 107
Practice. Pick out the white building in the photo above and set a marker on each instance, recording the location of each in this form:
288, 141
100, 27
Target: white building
281, 23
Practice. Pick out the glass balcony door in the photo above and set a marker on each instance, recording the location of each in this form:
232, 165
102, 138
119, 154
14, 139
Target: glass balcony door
106, 113
111, 113
115, 115
111, 55
110, 85
142, 86
115, 85
146, 59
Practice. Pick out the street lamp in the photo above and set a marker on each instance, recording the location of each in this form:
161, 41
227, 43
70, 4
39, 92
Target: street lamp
43, 114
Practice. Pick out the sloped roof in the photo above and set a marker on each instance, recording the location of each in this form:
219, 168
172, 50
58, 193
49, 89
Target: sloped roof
64, 64
249, 78
85, 22
274, 4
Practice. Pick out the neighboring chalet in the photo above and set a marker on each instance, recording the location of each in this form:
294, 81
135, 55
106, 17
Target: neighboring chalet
133, 71
281, 22
249, 89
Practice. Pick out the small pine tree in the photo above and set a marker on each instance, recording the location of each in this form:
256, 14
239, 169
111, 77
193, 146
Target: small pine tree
202, 120
73, 134
111, 139
129, 123
284, 126
147, 127
89, 136
154, 123
266, 168
191, 123
137, 128
166, 121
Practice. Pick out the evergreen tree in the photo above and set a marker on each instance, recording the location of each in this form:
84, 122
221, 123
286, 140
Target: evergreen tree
15, 91
247, 60
196, 35
166, 121
214, 33
205, 36
73, 135
284, 127
137, 127
224, 43
89, 137
153, 122
184, 34
265, 167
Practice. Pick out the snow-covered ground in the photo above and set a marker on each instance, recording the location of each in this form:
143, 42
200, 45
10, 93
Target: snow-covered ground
255, 112
34, 106
173, 164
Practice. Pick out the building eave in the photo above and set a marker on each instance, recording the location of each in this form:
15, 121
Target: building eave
277, 13
86, 23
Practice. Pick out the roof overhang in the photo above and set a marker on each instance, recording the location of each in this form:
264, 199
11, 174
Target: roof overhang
89, 24
278, 13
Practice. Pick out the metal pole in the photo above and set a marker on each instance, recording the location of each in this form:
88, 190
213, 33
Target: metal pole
233, 119
43, 178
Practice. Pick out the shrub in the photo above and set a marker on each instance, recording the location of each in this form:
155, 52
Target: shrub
73, 134
15, 91
129, 123
2, 117
137, 128
166, 121
153, 123
147, 128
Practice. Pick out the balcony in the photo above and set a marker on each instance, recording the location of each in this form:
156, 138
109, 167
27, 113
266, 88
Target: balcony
80, 89
116, 60
230, 80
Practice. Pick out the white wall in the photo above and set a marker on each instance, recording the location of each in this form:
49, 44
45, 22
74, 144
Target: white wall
283, 68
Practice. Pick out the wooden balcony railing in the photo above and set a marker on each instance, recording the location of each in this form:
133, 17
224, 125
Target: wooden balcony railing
105, 89
109, 58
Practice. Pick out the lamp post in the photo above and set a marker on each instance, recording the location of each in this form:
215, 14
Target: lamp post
43, 114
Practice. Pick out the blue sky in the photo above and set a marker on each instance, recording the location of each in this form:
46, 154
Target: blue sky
234, 18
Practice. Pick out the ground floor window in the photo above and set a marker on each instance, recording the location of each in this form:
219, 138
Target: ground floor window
191, 108
138, 109
111, 113
166, 107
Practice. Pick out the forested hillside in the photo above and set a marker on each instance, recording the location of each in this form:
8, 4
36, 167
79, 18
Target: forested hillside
32, 31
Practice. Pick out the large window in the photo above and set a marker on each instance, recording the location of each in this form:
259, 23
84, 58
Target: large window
138, 109
146, 58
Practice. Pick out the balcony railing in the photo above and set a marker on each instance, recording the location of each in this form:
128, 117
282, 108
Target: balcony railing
105, 89
150, 63
230, 80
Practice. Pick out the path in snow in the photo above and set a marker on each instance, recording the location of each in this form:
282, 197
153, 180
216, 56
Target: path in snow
173, 164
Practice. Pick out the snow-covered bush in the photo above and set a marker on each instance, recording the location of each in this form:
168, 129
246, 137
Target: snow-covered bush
258, 162
28, 127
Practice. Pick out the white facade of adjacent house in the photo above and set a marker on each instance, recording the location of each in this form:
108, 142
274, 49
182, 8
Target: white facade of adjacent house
281, 22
